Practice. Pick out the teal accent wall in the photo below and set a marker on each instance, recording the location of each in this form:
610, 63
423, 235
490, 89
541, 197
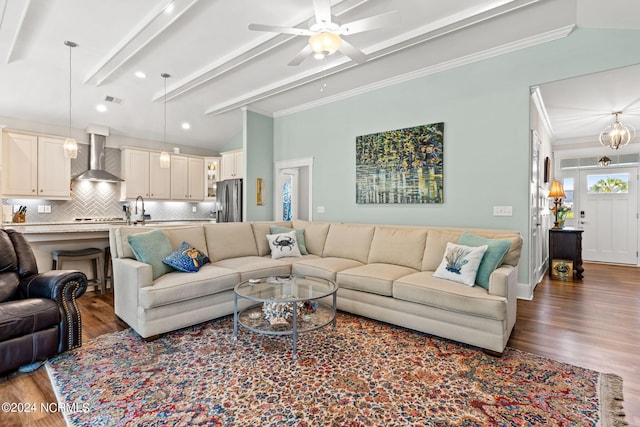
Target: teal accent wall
485, 109
258, 160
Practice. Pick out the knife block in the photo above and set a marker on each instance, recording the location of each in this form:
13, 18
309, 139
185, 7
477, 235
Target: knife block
19, 217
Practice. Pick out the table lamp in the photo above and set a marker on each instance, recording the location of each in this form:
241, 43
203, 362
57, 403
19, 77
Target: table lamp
557, 194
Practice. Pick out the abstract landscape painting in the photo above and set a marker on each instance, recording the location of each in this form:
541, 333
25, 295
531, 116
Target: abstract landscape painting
401, 166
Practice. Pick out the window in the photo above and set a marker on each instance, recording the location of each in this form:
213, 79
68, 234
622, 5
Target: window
568, 185
602, 183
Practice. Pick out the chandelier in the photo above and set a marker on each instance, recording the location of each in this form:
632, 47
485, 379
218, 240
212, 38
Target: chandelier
616, 135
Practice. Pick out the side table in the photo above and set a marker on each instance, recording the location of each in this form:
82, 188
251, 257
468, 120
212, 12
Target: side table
566, 243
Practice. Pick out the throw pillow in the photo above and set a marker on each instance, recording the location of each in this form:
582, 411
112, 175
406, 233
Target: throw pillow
151, 247
460, 263
186, 258
492, 259
299, 236
283, 245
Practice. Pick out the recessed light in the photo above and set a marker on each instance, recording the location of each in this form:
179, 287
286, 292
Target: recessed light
186, 126
101, 108
141, 75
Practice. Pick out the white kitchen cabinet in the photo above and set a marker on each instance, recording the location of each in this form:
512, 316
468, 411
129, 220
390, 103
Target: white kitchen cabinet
232, 164
159, 179
135, 173
35, 166
211, 176
187, 182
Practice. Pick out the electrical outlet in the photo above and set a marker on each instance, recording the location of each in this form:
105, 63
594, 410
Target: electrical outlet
502, 211
47, 208
40, 208
320, 209
194, 209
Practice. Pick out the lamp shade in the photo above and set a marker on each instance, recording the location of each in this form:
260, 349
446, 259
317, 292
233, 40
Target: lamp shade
325, 43
557, 192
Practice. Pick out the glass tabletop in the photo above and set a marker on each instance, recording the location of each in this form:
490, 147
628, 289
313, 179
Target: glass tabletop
285, 288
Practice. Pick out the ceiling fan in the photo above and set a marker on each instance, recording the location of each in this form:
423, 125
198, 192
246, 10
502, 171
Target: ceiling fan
325, 34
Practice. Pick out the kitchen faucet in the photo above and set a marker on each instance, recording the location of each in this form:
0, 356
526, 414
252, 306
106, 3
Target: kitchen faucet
141, 220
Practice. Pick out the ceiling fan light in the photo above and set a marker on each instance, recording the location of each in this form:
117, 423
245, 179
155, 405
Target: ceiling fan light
70, 148
325, 43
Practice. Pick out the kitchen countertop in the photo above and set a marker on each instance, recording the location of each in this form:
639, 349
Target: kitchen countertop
90, 226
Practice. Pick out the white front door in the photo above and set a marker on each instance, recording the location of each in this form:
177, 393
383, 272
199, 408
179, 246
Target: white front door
537, 241
608, 213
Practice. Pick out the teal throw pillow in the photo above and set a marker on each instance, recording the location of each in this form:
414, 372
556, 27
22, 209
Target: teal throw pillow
186, 258
496, 250
299, 236
151, 247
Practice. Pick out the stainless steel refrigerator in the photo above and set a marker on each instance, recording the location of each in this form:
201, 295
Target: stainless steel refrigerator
229, 200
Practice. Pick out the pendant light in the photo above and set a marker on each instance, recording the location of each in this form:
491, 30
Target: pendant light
616, 135
165, 159
70, 145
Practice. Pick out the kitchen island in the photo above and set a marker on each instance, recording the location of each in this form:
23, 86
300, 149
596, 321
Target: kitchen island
45, 237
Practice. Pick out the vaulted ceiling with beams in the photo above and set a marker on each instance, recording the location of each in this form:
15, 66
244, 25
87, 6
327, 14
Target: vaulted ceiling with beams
218, 65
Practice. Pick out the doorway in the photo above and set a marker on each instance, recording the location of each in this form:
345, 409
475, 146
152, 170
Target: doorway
293, 195
608, 206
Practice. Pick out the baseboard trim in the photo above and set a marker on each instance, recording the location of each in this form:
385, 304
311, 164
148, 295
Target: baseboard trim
524, 291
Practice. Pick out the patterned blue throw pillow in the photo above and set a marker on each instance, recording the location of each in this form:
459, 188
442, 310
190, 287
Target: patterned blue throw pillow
186, 258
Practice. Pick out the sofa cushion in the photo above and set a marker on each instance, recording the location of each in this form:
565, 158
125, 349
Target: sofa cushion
423, 288
284, 245
351, 241
437, 240
122, 241
460, 263
374, 278
260, 231
151, 247
193, 234
398, 245
325, 268
496, 250
253, 267
186, 259
230, 240
177, 286
299, 236
315, 235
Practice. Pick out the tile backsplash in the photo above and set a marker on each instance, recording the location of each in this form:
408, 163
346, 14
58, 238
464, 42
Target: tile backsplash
101, 199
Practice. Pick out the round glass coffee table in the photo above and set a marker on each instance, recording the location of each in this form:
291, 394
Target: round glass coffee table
287, 305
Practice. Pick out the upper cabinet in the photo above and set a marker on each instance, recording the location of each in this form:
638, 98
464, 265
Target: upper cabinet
187, 182
159, 178
34, 166
211, 176
135, 172
232, 164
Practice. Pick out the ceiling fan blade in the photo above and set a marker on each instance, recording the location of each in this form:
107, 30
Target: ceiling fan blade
278, 29
352, 52
301, 56
322, 10
370, 23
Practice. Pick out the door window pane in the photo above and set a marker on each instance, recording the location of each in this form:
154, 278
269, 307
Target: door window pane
286, 199
603, 183
567, 184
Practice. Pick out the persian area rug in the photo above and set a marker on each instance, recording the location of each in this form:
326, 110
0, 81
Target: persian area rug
365, 373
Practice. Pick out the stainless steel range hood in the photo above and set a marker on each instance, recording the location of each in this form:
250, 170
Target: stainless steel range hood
96, 170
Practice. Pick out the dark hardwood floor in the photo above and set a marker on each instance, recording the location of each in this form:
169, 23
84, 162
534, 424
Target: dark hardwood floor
594, 323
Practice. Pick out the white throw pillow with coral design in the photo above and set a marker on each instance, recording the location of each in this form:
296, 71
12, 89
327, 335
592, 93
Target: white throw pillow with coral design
283, 245
460, 263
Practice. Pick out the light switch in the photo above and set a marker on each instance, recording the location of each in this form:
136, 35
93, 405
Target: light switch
320, 209
502, 211
47, 208
40, 208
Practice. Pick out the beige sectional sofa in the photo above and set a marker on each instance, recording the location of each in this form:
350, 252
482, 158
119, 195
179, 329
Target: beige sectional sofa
383, 272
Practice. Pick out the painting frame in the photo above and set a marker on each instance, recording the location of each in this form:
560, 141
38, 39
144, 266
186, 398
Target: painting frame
401, 166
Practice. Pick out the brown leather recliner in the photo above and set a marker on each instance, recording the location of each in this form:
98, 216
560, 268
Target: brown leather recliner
38, 313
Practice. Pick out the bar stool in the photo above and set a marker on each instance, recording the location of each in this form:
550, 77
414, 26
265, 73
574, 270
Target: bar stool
90, 254
108, 267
